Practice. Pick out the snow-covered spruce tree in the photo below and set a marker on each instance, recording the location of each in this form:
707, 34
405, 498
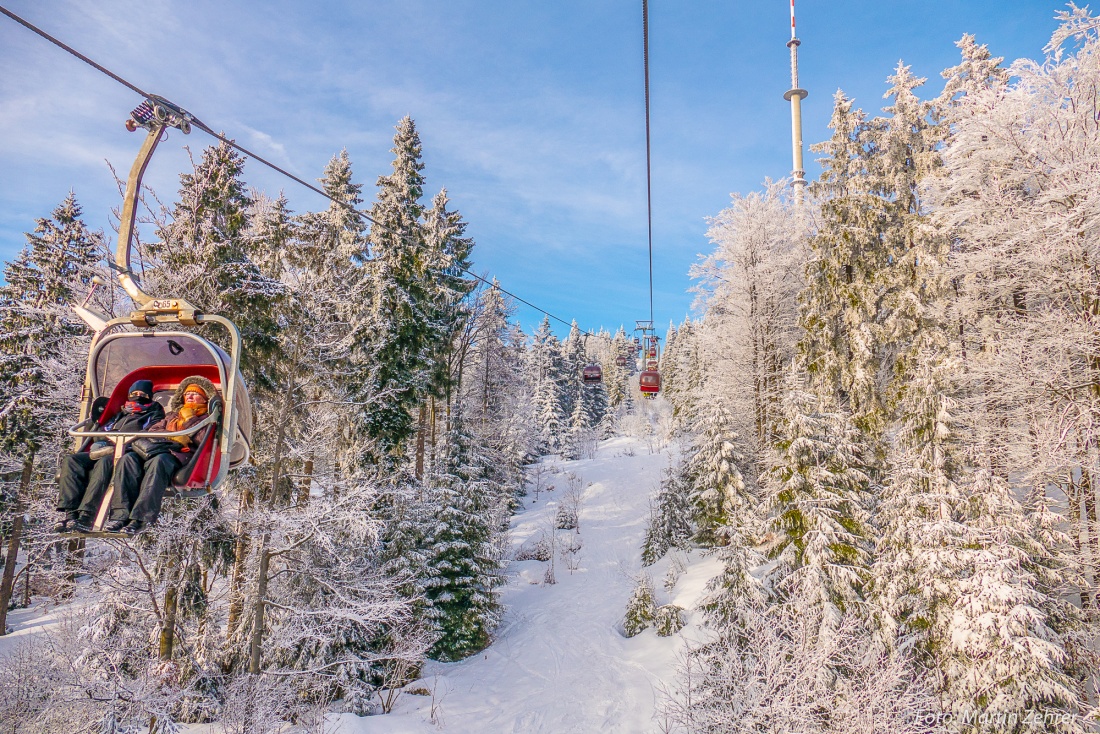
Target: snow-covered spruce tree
547, 376
683, 360
1014, 641
449, 313
719, 494
922, 531
818, 492
641, 609
400, 337
589, 407
614, 376
307, 378
573, 361
495, 402
851, 308
463, 560
42, 348
670, 516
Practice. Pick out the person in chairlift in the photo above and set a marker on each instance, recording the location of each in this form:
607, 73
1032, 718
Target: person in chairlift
143, 481
85, 475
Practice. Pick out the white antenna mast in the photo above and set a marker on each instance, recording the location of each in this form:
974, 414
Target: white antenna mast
795, 95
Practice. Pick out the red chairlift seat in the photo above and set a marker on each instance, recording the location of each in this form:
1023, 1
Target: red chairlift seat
592, 374
620, 361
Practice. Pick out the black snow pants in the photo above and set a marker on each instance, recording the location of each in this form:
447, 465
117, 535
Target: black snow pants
141, 486
82, 482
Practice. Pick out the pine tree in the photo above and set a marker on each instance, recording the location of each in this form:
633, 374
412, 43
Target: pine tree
462, 558
447, 256
641, 609
41, 354
670, 517
400, 340
547, 376
718, 491
818, 489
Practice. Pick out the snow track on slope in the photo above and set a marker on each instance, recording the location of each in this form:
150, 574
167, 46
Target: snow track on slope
559, 663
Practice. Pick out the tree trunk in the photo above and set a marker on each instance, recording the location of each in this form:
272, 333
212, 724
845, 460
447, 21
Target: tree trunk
8, 581
255, 645
74, 561
421, 429
240, 553
434, 419
168, 624
1073, 500
303, 491
27, 584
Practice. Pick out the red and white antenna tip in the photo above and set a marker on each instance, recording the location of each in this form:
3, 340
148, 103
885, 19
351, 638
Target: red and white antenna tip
792, 19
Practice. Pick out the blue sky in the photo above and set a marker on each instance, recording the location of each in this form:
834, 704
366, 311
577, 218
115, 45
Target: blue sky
531, 113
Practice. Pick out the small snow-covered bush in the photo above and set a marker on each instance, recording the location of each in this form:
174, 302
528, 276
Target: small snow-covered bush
566, 518
641, 609
668, 620
534, 549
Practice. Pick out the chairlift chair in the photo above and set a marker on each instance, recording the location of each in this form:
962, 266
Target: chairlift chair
592, 374
131, 348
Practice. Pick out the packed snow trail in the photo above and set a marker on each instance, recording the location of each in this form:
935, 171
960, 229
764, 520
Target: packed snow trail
559, 662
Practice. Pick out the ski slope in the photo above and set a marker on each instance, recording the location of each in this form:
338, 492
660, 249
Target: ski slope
559, 662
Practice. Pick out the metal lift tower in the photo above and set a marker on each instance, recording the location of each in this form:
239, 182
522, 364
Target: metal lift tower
795, 95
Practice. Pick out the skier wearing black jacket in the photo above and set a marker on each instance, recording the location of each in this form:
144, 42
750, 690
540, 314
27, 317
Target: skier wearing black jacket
85, 475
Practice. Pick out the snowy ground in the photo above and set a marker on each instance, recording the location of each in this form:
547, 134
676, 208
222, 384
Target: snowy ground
559, 663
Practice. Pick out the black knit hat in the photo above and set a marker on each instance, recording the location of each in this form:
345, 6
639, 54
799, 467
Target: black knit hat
145, 387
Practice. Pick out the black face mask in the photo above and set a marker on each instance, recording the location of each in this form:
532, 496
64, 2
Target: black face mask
139, 402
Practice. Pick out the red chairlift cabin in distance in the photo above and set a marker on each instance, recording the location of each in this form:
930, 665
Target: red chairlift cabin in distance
649, 381
592, 374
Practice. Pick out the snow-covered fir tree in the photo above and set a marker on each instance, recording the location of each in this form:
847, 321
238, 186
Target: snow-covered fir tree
670, 516
721, 498
462, 555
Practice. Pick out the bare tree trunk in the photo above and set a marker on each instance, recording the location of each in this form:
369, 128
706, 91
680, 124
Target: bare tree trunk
8, 581
256, 643
434, 420
167, 638
27, 584
74, 561
240, 553
421, 429
303, 491
1074, 501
